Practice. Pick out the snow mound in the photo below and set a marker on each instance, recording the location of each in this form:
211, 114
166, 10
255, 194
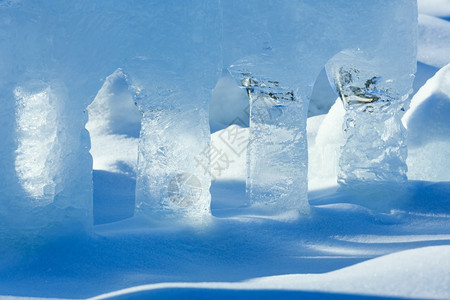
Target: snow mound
410, 273
229, 153
437, 8
325, 151
433, 44
429, 129
229, 104
114, 125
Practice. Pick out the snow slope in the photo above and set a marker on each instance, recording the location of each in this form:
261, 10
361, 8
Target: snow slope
437, 8
238, 245
417, 268
429, 129
434, 41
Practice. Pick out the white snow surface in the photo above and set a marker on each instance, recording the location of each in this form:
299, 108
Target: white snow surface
437, 8
324, 153
410, 273
114, 125
428, 126
433, 45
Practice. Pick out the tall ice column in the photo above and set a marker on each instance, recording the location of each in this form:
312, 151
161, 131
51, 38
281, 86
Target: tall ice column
173, 177
172, 86
46, 185
277, 150
375, 149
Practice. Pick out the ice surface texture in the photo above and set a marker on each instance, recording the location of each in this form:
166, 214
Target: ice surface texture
268, 47
374, 99
46, 167
54, 55
182, 65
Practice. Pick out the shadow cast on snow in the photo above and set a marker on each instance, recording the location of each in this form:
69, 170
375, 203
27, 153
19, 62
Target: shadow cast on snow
341, 231
200, 293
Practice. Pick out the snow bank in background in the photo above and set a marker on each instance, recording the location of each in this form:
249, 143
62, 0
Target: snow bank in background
229, 104
113, 110
322, 96
428, 126
437, 8
229, 153
433, 44
114, 153
114, 125
325, 151
417, 273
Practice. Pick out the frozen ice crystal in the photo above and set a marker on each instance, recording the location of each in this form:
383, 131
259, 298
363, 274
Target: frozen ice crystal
173, 84
47, 186
45, 183
288, 43
55, 53
53, 56
277, 155
374, 97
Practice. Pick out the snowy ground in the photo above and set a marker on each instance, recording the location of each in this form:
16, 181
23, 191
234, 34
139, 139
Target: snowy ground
389, 243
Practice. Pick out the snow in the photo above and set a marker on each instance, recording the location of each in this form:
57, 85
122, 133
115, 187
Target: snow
324, 153
379, 276
433, 47
114, 125
319, 254
368, 245
229, 104
437, 8
429, 129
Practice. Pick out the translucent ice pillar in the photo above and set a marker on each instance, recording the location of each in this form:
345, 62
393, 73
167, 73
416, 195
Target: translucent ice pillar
277, 49
54, 55
172, 86
261, 52
173, 176
277, 155
48, 186
375, 100
45, 182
